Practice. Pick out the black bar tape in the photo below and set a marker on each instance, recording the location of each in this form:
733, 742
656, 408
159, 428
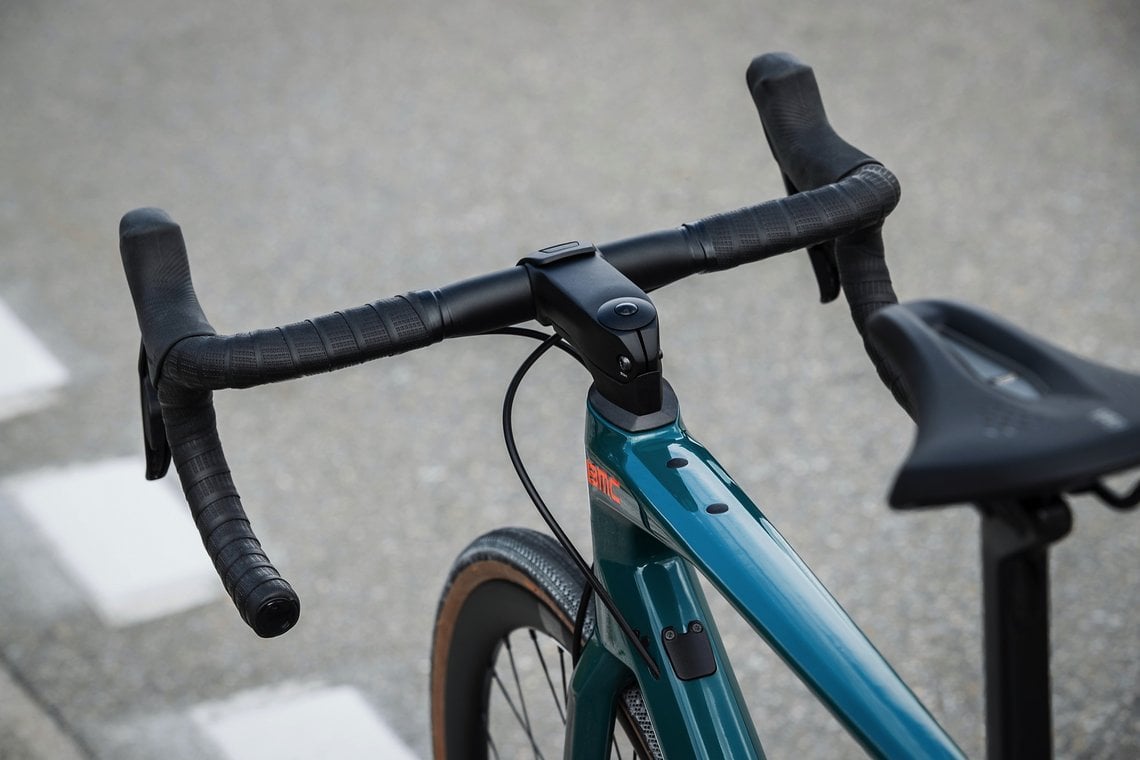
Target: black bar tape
867, 287
738, 237
158, 273
811, 155
322, 344
266, 602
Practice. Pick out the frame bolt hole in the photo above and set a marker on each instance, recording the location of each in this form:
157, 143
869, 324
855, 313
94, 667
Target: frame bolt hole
676, 463
717, 509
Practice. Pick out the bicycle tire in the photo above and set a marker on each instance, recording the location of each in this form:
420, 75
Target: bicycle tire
513, 583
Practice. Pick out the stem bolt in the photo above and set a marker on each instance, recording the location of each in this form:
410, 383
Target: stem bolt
625, 364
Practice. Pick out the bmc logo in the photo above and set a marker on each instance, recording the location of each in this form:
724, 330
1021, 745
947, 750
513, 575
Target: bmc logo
602, 481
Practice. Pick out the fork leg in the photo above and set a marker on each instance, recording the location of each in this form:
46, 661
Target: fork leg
1015, 579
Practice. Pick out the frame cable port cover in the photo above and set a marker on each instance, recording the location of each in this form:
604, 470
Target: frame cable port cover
690, 653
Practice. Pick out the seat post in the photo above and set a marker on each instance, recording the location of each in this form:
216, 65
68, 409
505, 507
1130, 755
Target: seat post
1015, 580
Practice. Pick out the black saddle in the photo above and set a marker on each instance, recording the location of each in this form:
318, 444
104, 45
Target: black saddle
1001, 413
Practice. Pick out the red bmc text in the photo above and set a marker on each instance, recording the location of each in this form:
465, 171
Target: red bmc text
602, 481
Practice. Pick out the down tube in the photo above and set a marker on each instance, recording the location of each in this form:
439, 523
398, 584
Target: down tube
666, 482
695, 703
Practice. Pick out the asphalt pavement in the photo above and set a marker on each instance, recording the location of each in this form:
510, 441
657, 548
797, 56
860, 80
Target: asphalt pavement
323, 155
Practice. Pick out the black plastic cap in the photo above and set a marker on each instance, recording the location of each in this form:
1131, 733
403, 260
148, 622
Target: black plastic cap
276, 615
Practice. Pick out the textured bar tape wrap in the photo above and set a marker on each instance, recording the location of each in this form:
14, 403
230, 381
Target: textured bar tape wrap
322, 344
811, 155
265, 601
738, 237
158, 274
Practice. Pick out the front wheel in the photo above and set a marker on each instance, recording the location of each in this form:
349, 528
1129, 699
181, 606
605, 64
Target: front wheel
500, 665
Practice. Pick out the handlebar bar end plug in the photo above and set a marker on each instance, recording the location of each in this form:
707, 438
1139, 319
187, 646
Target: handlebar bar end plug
276, 615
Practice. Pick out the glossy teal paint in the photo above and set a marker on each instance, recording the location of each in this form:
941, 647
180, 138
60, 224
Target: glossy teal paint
598, 679
659, 514
656, 589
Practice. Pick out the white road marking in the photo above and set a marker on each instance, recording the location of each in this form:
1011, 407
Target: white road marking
296, 723
128, 542
31, 376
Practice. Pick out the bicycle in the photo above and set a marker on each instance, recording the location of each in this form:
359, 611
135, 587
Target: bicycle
633, 644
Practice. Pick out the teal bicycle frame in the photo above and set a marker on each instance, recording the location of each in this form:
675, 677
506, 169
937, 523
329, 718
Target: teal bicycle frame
650, 495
